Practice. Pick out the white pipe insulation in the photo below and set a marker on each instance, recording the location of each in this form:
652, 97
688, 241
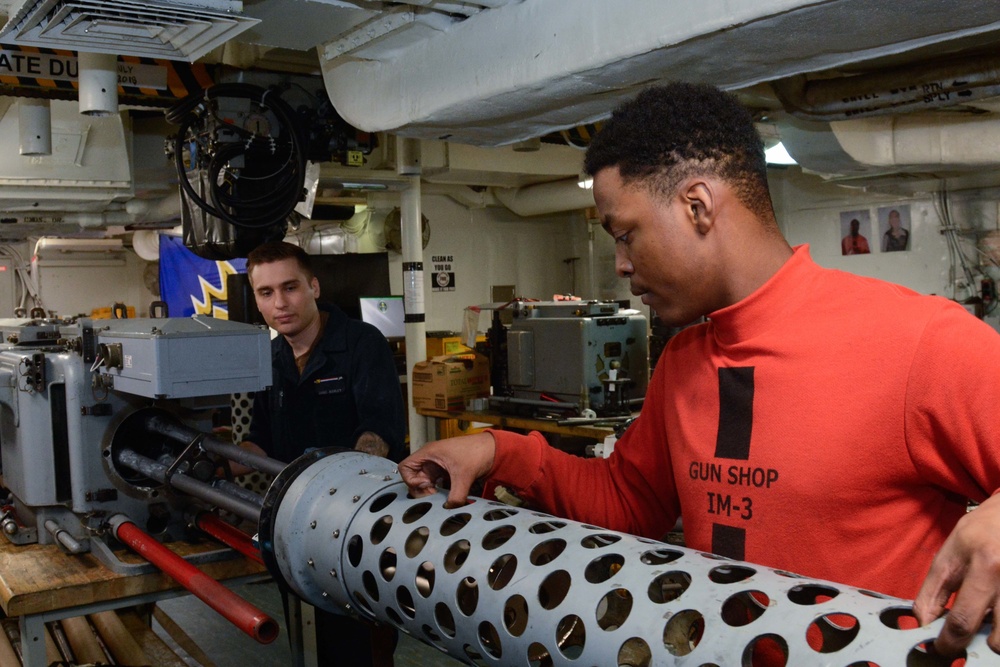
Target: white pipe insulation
544, 198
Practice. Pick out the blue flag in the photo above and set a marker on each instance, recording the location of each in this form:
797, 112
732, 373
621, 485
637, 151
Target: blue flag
191, 285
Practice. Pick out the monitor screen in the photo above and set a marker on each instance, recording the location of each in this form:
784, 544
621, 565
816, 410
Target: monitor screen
386, 313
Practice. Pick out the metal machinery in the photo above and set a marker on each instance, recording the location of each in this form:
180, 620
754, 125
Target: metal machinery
98, 438
580, 355
99, 441
495, 585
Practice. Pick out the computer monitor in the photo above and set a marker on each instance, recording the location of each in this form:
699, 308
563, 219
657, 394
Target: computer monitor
386, 313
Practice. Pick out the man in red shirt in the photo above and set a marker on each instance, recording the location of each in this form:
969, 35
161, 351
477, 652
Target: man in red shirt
848, 461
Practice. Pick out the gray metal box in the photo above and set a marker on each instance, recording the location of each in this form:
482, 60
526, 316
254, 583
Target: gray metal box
565, 350
184, 357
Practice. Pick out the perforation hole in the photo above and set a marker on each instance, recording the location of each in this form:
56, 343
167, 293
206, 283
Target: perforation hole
668, 586
371, 586
394, 616
455, 523
415, 541
501, 572
490, 639
456, 556
475, 657
899, 618
543, 527
425, 579
924, 655
515, 615
538, 655
387, 564
547, 551
467, 596
730, 574
497, 537
771, 648
810, 594
405, 602
381, 502
499, 515
834, 632
380, 529
434, 637
635, 653
416, 512
660, 556
613, 609
354, 549
554, 588
445, 621
362, 602
744, 608
787, 575
603, 568
571, 636
599, 541
683, 632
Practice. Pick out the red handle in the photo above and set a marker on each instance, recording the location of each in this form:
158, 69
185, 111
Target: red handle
233, 608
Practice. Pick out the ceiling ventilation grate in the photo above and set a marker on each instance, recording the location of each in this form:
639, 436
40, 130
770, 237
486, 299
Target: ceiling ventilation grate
157, 29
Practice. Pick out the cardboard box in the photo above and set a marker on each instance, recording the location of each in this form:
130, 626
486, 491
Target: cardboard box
439, 344
446, 382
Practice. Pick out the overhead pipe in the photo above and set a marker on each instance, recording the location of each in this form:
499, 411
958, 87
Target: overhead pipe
154, 210
546, 198
232, 607
891, 91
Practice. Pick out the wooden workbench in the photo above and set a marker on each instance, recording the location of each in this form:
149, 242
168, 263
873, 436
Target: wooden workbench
40, 583
505, 421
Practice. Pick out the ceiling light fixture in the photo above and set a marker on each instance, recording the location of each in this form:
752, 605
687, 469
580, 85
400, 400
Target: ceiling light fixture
778, 155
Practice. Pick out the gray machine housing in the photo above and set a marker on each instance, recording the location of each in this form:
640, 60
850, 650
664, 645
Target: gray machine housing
567, 349
66, 386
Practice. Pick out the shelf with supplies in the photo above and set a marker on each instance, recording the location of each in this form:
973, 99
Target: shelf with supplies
504, 421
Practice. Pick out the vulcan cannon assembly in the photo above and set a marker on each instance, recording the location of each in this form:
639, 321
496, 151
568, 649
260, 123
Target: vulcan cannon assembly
496, 585
104, 444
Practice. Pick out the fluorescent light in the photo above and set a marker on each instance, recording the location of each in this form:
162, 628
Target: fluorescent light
777, 154
586, 182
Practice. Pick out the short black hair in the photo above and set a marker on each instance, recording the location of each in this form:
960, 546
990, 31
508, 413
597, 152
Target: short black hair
276, 251
670, 132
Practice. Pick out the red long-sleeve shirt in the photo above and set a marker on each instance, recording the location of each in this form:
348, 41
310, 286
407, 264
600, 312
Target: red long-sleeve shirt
828, 424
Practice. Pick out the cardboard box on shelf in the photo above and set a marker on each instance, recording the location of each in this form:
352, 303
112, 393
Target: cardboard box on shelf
446, 382
441, 343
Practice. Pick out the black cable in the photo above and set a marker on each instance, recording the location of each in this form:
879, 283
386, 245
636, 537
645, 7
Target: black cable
276, 192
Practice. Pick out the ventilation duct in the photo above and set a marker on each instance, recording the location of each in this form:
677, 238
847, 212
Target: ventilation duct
155, 29
78, 252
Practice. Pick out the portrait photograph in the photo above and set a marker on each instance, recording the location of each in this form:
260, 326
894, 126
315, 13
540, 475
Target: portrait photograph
894, 228
855, 233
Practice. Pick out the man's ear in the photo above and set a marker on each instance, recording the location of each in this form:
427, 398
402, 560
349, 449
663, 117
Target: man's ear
700, 199
314, 284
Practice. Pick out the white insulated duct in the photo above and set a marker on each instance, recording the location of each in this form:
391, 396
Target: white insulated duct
545, 198
916, 140
530, 68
